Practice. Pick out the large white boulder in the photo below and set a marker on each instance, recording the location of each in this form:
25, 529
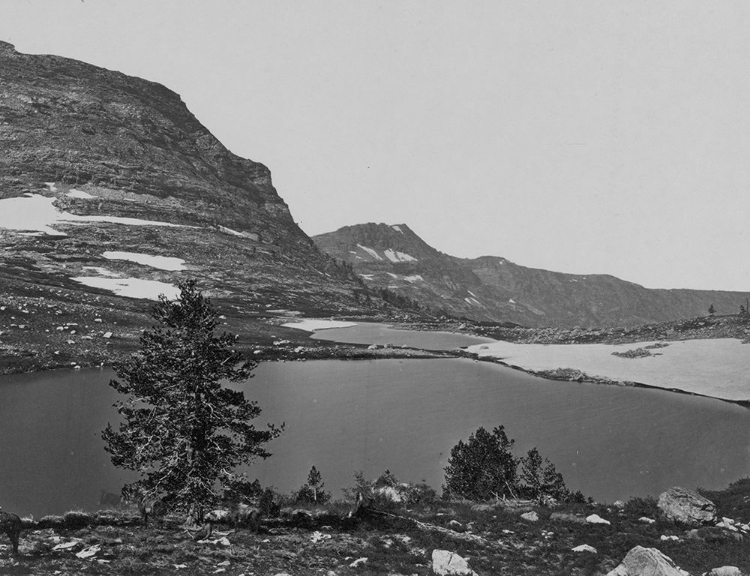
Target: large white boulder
447, 563
687, 507
642, 561
725, 571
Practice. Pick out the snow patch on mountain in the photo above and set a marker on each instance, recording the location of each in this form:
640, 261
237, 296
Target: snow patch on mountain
370, 251
396, 256
160, 262
414, 278
37, 212
397, 228
102, 271
230, 231
73, 193
132, 287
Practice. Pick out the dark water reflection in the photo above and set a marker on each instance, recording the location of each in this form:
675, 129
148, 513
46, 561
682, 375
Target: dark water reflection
404, 415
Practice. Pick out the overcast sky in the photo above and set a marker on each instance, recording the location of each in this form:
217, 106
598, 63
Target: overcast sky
584, 137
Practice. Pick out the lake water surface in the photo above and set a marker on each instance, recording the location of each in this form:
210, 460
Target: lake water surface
405, 415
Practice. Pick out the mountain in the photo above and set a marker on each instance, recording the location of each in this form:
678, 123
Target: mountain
110, 187
491, 288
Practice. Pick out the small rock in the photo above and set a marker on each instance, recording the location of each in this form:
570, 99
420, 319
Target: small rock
358, 562
446, 563
619, 504
584, 548
107, 335
646, 520
530, 516
455, 524
596, 519
97, 319
665, 538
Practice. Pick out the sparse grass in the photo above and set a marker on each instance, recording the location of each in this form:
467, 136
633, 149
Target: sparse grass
505, 543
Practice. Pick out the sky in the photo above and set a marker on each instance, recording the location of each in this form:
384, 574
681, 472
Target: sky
582, 137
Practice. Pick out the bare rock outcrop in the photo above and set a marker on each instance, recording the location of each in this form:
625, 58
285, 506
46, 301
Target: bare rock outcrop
642, 561
687, 507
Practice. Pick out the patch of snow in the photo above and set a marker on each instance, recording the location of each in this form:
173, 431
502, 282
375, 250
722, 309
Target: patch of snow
370, 251
396, 256
102, 271
73, 193
511, 301
472, 293
37, 212
132, 287
230, 231
712, 367
397, 228
160, 262
392, 275
313, 324
366, 276
415, 278
51, 186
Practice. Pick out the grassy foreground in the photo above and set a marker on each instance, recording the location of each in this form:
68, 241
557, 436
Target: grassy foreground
396, 539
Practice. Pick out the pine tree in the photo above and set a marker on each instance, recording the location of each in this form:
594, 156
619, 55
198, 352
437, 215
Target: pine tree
482, 468
540, 479
182, 431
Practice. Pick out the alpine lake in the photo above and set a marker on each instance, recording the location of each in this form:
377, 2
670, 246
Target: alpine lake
405, 415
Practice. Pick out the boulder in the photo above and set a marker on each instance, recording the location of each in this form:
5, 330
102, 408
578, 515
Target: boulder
646, 562
530, 516
584, 548
446, 563
687, 507
596, 519
725, 571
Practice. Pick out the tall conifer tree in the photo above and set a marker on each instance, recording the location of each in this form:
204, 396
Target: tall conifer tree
182, 430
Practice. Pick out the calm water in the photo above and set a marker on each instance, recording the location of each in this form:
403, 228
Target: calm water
372, 333
404, 415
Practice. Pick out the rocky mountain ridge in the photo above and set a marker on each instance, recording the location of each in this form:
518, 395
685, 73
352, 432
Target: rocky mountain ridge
493, 289
109, 185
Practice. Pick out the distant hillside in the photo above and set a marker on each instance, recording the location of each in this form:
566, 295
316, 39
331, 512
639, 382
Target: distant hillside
492, 288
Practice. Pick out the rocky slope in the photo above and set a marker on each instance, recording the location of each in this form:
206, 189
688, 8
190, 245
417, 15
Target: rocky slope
94, 163
494, 289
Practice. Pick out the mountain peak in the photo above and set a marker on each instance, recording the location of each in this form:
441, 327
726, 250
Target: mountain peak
491, 288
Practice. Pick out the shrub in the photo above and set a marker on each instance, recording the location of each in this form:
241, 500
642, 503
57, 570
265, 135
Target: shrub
312, 492
77, 519
482, 468
540, 479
